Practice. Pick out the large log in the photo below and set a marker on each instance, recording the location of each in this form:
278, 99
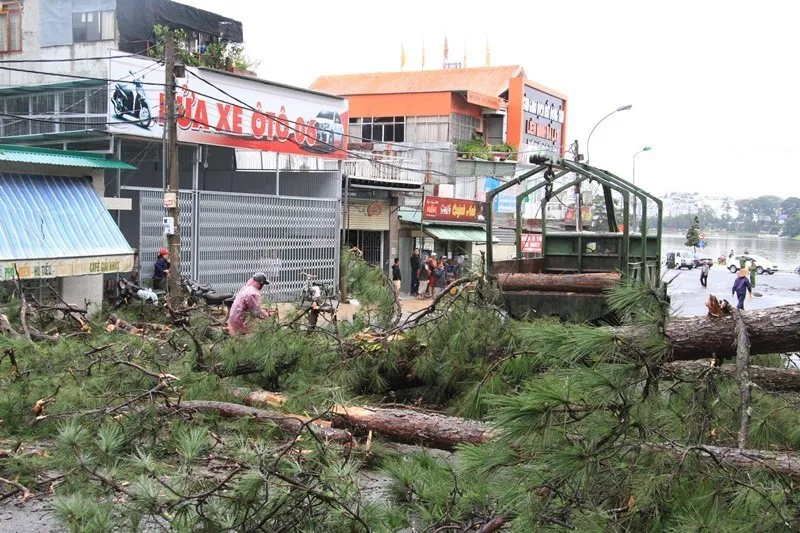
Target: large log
399, 424
771, 330
588, 283
776, 462
448, 431
286, 422
771, 379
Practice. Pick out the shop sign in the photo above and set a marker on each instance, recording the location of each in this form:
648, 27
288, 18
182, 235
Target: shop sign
532, 243
543, 118
224, 110
452, 209
586, 213
503, 202
483, 100
375, 209
62, 268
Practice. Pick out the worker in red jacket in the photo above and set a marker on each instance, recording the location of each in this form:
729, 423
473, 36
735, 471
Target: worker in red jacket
247, 301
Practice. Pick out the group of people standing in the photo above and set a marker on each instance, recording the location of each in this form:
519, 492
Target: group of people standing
745, 280
434, 272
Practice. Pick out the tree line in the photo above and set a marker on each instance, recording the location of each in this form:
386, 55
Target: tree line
764, 214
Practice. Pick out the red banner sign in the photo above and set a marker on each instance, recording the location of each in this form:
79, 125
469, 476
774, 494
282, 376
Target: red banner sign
532, 243
218, 109
452, 209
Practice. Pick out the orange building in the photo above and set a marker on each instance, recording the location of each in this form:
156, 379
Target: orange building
451, 105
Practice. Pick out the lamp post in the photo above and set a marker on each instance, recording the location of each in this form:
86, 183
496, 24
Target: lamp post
633, 174
617, 110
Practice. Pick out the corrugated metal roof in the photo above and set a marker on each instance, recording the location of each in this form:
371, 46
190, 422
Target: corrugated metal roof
65, 158
492, 81
51, 217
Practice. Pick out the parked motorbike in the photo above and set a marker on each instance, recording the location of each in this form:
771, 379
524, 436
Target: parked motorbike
315, 298
129, 292
198, 292
130, 99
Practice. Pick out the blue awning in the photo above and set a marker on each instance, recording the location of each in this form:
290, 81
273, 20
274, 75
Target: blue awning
52, 226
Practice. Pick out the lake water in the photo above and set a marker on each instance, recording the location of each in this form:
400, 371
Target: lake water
785, 252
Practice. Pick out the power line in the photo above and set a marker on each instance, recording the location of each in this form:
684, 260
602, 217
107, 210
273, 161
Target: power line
82, 100
107, 80
73, 59
285, 122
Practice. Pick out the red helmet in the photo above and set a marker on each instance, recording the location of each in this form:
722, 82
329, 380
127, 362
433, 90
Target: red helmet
163, 251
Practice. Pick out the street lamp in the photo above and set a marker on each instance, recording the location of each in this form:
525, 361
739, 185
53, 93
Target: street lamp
645, 149
617, 110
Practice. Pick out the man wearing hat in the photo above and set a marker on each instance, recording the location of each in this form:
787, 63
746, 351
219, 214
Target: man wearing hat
161, 270
247, 301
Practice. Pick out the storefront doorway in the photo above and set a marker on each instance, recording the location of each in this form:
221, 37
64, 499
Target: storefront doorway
370, 243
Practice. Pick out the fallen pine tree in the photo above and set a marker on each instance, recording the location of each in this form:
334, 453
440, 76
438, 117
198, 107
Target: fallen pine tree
400, 424
771, 330
771, 379
286, 422
576, 442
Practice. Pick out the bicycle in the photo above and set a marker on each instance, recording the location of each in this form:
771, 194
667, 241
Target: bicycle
315, 298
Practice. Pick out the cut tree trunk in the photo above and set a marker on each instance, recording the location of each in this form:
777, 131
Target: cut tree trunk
771, 379
584, 283
403, 425
6, 327
291, 423
406, 425
777, 462
448, 431
771, 330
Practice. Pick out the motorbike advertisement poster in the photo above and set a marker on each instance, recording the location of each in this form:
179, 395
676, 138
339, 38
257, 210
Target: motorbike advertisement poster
219, 109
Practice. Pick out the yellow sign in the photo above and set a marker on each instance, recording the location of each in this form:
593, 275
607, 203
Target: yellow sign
61, 268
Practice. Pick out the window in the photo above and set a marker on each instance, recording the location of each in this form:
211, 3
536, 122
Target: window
70, 110
379, 129
427, 129
93, 26
463, 127
10, 27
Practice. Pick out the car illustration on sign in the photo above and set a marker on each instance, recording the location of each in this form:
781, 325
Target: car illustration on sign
330, 132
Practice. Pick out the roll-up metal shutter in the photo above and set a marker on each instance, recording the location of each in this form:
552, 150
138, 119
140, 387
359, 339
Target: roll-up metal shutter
366, 215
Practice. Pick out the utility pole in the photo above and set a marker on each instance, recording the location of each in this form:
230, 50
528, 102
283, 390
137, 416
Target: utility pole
578, 207
171, 123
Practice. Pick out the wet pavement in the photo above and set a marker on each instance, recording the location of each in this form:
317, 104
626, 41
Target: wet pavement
689, 297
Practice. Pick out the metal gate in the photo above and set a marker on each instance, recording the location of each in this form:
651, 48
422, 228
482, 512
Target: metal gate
151, 232
239, 234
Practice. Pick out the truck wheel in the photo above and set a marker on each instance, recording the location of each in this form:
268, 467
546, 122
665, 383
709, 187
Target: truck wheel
733, 269
759, 270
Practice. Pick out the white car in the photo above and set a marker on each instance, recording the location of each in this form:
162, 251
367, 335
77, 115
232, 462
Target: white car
330, 130
681, 260
762, 264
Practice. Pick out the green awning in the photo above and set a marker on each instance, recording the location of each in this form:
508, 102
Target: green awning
64, 158
454, 233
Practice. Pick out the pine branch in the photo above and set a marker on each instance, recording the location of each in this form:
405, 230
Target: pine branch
19, 486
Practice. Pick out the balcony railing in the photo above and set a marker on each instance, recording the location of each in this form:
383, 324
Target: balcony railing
390, 170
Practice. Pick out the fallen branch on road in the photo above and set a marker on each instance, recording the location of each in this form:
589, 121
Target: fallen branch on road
286, 422
404, 425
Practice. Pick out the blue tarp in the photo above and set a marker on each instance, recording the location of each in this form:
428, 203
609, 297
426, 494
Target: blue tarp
52, 217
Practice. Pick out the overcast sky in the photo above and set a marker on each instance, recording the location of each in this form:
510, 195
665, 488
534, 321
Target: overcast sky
714, 84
